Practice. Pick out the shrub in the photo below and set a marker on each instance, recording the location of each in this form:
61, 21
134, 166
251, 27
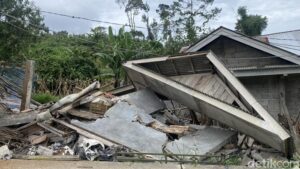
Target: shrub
45, 98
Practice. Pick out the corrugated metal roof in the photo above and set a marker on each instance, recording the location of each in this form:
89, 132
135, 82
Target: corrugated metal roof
289, 41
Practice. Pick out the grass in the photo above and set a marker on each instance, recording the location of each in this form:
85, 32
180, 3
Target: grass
233, 160
44, 98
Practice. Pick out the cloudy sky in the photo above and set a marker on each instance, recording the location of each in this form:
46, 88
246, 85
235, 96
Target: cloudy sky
283, 15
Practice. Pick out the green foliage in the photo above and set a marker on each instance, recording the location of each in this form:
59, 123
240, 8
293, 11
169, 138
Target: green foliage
117, 49
44, 98
233, 160
251, 25
16, 15
59, 56
179, 18
62, 58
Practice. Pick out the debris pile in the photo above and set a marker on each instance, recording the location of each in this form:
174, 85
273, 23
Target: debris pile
141, 125
187, 109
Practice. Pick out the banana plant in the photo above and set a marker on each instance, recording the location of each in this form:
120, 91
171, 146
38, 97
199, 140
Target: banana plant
117, 49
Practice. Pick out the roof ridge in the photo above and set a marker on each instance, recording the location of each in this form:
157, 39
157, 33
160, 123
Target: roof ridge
296, 30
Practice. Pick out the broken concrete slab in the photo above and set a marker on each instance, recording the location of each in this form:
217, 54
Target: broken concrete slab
130, 134
121, 126
125, 111
144, 99
85, 133
205, 141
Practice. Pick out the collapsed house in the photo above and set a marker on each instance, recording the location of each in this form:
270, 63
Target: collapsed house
258, 78
226, 94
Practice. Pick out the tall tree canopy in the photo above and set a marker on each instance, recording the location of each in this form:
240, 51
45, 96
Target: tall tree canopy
17, 32
186, 18
251, 25
132, 9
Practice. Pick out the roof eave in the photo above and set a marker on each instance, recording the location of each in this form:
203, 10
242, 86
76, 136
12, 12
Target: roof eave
286, 55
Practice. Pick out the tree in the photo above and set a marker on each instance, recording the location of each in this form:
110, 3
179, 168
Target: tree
180, 18
119, 48
97, 33
145, 19
132, 9
251, 25
16, 28
166, 15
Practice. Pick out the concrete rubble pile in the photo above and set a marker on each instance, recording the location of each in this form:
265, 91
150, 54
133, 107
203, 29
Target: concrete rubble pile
150, 123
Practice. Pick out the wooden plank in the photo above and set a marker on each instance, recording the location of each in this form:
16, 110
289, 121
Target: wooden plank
237, 100
172, 129
84, 114
192, 66
214, 88
27, 85
174, 67
17, 119
219, 92
195, 81
205, 82
122, 90
209, 85
52, 129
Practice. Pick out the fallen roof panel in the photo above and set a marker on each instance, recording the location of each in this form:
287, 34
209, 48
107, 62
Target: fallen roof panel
264, 129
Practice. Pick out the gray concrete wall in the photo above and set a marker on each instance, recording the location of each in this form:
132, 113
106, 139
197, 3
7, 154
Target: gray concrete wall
292, 91
236, 54
266, 90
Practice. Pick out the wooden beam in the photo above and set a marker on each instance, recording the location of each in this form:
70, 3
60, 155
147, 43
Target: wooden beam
27, 85
192, 65
17, 119
237, 100
174, 67
156, 66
